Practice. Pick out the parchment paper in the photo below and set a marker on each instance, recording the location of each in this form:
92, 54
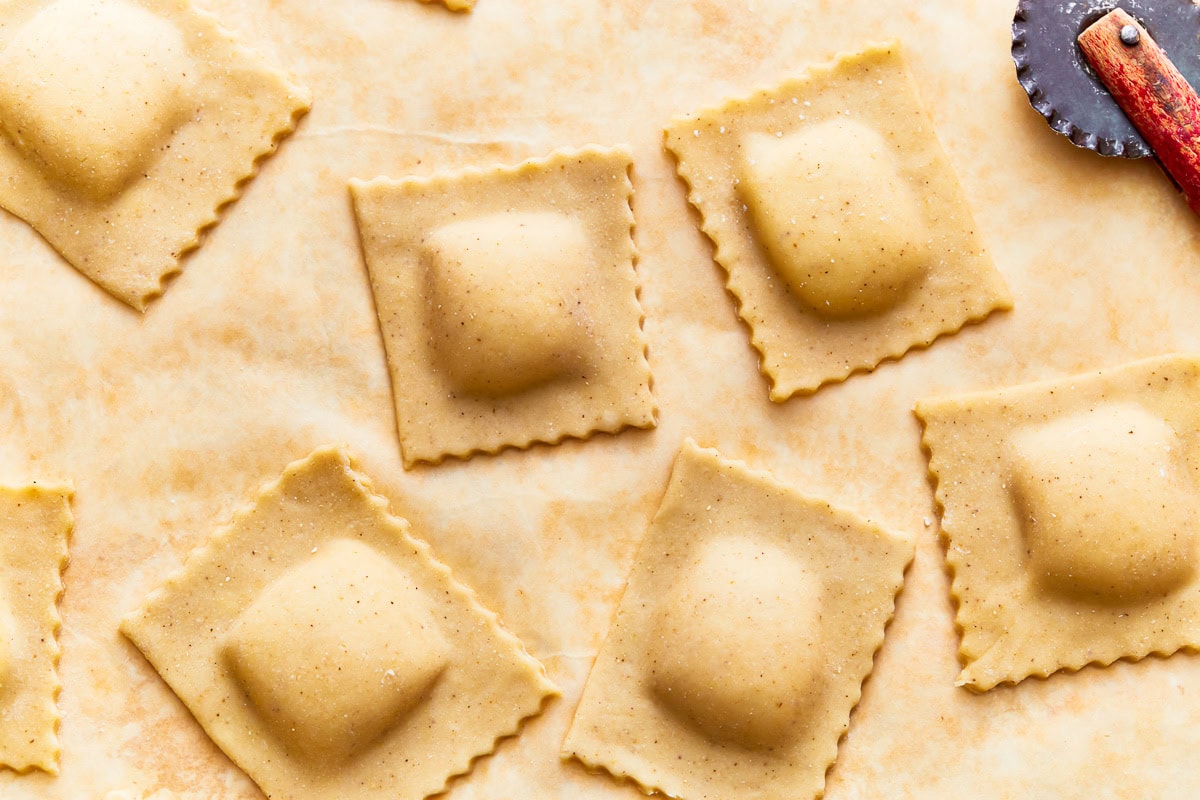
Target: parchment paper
267, 346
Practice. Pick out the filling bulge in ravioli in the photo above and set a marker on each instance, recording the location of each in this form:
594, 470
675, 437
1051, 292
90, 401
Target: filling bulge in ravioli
504, 300
835, 216
734, 648
336, 652
1104, 504
91, 88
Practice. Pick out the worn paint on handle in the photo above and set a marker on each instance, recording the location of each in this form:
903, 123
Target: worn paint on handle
1156, 98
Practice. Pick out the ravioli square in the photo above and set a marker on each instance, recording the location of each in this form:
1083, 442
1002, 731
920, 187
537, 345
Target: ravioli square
326, 651
508, 303
125, 126
751, 619
838, 220
1068, 515
33, 554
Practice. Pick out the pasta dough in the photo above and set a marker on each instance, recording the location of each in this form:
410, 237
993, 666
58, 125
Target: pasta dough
841, 227
127, 125
1069, 518
508, 303
328, 654
268, 346
37, 522
737, 653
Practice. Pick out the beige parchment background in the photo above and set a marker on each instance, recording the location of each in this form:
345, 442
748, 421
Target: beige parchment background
267, 346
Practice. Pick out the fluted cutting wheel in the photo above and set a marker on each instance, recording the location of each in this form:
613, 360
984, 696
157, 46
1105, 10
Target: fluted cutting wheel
1063, 88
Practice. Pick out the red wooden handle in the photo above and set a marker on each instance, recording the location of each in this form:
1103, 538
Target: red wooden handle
1156, 98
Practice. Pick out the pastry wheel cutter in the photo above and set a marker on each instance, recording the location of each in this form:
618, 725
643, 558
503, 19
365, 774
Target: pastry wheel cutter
1117, 77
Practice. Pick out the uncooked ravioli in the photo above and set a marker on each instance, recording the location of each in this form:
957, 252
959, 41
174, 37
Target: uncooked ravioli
508, 302
838, 220
1069, 518
747, 628
336, 657
125, 126
36, 524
